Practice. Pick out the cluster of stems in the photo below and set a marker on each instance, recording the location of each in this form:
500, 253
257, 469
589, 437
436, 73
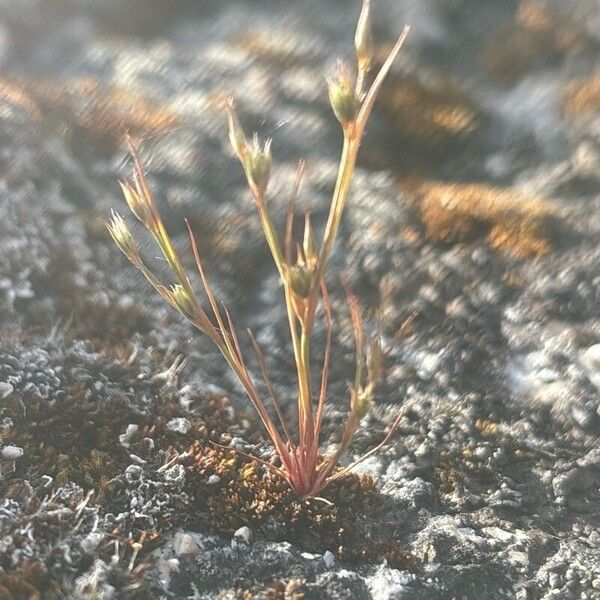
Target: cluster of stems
301, 270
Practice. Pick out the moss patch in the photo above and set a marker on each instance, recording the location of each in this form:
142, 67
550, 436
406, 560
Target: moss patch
247, 495
31, 581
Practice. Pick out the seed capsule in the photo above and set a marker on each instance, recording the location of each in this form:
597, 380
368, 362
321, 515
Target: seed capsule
258, 164
301, 279
341, 96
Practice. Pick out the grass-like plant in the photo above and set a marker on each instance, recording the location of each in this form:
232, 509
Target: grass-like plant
302, 278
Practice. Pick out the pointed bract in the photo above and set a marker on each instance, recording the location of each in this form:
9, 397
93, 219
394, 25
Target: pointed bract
363, 39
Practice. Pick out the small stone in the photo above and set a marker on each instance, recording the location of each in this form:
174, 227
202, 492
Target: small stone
179, 425
426, 455
555, 581
482, 452
243, 534
175, 475
213, 479
125, 438
590, 359
89, 544
584, 417
6, 389
12, 452
184, 543
133, 473
329, 559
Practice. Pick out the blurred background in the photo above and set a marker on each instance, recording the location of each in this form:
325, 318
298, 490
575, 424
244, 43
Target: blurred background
482, 155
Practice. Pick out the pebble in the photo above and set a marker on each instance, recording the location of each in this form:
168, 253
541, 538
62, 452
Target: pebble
133, 473
12, 452
329, 559
175, 475
243, 534
179, 425
125, 438
6, 389
585, 417
184, 543
89, 544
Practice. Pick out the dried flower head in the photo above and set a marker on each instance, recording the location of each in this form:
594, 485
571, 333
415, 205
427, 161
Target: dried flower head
122, 235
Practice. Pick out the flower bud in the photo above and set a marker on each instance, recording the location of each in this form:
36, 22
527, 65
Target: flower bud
121, 234
138, 204
363, 39
258, 164
237, 137
341, 96
182, 300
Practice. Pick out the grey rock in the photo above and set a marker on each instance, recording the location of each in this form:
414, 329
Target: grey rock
6, 389
179, 425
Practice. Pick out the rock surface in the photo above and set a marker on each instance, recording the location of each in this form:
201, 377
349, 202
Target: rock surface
476, 205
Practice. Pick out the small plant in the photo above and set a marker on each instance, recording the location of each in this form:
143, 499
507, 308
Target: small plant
302, 277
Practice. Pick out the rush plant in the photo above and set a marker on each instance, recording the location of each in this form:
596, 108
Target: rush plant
301, 270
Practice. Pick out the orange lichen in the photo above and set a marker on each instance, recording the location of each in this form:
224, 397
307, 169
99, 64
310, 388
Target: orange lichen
31, 581
428, 114
279, 49
537, 34
583, 97
460, 212
15, 95
103, 113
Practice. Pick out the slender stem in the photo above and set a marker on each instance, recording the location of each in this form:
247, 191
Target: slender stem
305, 396
342, 186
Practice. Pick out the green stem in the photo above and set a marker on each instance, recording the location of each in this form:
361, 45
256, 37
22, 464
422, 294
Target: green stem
305, 387
340, 196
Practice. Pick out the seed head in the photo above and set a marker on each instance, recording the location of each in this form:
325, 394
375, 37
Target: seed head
121, 234
183, 301
301, 278
259, 163
363, 39
341, 95
138, 204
